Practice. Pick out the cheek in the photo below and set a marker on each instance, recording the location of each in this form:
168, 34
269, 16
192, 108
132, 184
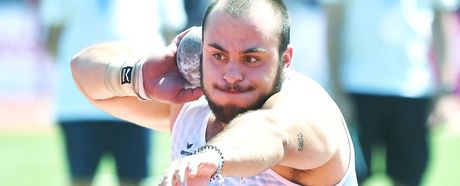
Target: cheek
209, 73
269, 81
264, 76
263, 84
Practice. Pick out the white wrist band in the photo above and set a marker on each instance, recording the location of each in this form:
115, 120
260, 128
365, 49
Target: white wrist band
125, 79
139, 83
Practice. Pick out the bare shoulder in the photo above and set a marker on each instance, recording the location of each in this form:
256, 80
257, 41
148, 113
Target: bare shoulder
175, 111
187, 109
300, 90
300, 82
308, 108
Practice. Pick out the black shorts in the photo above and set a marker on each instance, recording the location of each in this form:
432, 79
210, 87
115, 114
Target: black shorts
87, 141
400, 125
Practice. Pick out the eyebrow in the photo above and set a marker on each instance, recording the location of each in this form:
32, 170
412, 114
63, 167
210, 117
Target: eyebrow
253, 50
249, 50
218, 47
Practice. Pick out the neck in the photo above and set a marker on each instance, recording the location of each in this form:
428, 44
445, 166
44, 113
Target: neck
216, 121
214, 127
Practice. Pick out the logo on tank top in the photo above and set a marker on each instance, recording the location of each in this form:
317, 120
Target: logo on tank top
187, 152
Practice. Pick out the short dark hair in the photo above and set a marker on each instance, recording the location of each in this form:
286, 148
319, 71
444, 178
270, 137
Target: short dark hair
241, 7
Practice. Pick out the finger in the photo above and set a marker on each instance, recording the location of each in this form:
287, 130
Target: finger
175, 42
179, 37
181, 173
163, 181
168, 177
186, 95
193, 171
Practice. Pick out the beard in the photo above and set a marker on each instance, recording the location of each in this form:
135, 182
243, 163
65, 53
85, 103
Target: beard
226, 113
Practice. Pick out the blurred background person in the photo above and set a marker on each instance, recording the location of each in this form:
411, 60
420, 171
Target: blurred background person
309, 38
88, 132
22, 49
381, 74
447, 110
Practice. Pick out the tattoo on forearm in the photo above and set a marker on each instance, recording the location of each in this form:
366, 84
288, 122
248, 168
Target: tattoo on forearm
300, 142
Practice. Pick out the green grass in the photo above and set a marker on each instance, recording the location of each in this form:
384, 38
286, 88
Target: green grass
442, 168
32, 158
37, 158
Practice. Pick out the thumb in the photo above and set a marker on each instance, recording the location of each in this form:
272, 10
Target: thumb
193, 171
186, 95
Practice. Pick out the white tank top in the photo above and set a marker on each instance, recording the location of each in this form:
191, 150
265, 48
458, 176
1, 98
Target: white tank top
188, 134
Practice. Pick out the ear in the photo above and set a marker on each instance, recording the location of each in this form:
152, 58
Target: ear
287, 56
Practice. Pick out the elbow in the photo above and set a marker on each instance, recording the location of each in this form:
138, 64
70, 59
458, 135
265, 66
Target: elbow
77, 70
325, 147
315, 151
326, 152
84, 75
76, 63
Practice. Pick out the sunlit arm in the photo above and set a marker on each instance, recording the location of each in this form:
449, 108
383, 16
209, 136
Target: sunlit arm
291, 129
88, 71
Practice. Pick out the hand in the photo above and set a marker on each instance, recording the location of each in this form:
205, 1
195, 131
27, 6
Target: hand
162, 79
192, 170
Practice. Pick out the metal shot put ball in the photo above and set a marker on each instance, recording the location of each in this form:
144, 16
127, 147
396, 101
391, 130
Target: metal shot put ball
188, 56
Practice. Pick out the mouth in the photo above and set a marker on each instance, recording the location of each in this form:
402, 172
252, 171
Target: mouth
233, 89
230, 91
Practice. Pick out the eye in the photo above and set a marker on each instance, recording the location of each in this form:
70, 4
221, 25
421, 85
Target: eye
250, 59
218, 57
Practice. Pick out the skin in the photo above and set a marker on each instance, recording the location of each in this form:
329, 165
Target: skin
227, 61
241, 66
239, 51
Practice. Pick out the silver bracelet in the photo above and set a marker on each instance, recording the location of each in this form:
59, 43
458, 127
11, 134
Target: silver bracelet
218, 174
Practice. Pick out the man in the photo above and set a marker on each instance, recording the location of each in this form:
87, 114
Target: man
257, 124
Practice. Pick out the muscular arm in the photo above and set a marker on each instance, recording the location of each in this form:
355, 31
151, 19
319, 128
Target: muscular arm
88, 72
300, 127
297, 130
161, 80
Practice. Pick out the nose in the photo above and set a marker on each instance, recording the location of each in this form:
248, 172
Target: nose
233, 74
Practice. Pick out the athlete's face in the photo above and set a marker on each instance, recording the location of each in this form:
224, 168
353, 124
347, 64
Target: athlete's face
241, 65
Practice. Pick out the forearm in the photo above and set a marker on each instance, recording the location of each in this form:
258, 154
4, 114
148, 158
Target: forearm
301, 134
250, 144
89, 68
298, 134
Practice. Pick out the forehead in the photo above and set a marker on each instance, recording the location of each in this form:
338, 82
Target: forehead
259, 21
